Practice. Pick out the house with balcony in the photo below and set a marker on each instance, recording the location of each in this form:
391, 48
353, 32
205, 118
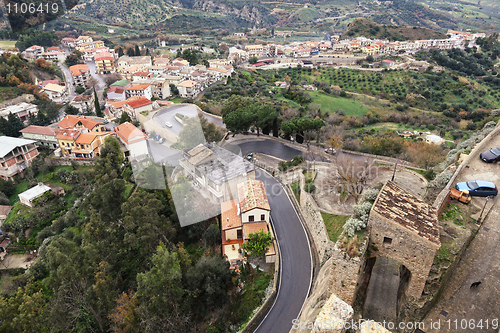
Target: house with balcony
83, 122
44, 136
188, 88
135, 105
15, 156
142, 90
81, 74
22, 110
33, 52
104, 63
56, 92
88, 145
84, 103
241, 217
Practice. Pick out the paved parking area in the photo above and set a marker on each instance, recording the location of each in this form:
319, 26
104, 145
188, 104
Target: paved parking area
480, 263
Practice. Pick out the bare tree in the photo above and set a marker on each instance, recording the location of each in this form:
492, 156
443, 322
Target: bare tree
351, 176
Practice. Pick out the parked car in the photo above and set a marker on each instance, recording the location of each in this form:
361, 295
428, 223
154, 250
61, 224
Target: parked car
478, 188
490, 156
157, 137
330, 151
161, 140
168, 124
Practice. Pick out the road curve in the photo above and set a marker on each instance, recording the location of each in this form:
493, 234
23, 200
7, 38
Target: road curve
295, 259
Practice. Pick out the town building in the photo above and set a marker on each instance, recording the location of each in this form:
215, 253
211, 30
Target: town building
45, 136
188, 88
56, 93
22, 110
33, 52
142, 90
136, 104
15, 156
84, 103
83, 122
81, 74
27, 197
134, 140
216, 170
405, 228
104, 62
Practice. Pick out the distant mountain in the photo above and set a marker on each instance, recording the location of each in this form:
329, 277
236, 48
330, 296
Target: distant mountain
326, 15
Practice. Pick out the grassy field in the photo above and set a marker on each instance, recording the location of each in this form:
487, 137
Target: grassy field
334, 225
7, 44
349, 106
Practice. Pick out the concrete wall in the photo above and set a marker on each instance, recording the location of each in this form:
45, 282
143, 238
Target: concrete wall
408, 248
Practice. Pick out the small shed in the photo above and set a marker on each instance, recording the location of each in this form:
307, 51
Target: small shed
27, 197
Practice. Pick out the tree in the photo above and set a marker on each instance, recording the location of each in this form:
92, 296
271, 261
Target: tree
239, 121
137, 51
130, 52
125, 117
70, 109
336, 142
72, 59
16, 125
258, 243
120, 51
97, 106
160, 294
212, 132
108, 164
234, 102
192, 133
369, 58
252, 60
80, 90
209, 282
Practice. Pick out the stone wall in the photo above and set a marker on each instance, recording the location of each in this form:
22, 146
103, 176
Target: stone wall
315, 223
408, 248
346, 273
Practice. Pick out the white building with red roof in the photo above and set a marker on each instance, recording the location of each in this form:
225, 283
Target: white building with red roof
143, 90
133, 139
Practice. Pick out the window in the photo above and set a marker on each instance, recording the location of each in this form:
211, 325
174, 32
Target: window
239, 234
263, 217
251, 218
387, 241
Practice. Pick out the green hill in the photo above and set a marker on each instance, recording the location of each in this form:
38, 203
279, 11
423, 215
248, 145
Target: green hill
369, 29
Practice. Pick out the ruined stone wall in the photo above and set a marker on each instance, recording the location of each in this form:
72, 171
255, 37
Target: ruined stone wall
406, 247
346, 273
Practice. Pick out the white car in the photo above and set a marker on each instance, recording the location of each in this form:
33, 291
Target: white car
168, 124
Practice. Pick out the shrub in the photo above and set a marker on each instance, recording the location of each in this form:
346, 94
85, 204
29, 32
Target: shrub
370, 195
352, 225
309, 187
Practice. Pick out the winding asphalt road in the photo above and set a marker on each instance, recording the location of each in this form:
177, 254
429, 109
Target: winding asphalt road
295, 259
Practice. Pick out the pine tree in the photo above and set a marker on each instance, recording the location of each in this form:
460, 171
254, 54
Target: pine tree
120, 51
16, 124
98, 110
137, 50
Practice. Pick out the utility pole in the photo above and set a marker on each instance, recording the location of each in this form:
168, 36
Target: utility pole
482, 210
394, 173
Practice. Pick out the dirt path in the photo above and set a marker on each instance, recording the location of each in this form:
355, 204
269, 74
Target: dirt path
15, 261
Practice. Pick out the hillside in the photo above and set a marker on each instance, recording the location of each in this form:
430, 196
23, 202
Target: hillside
369, 29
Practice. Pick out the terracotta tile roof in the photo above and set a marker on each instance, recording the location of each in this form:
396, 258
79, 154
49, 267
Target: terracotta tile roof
103, 56
138, 87
141, 74
251, 227
44, 83
407, 210
78, 69
116, 89
68, 133
230, 218
42, 130
129, 133
4, 210
187, 84
138, 102
88, 138
82, 98
252, 194
72, 121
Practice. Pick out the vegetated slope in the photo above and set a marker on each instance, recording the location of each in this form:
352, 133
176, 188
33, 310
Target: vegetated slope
369, 29
149, 13
408, 12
